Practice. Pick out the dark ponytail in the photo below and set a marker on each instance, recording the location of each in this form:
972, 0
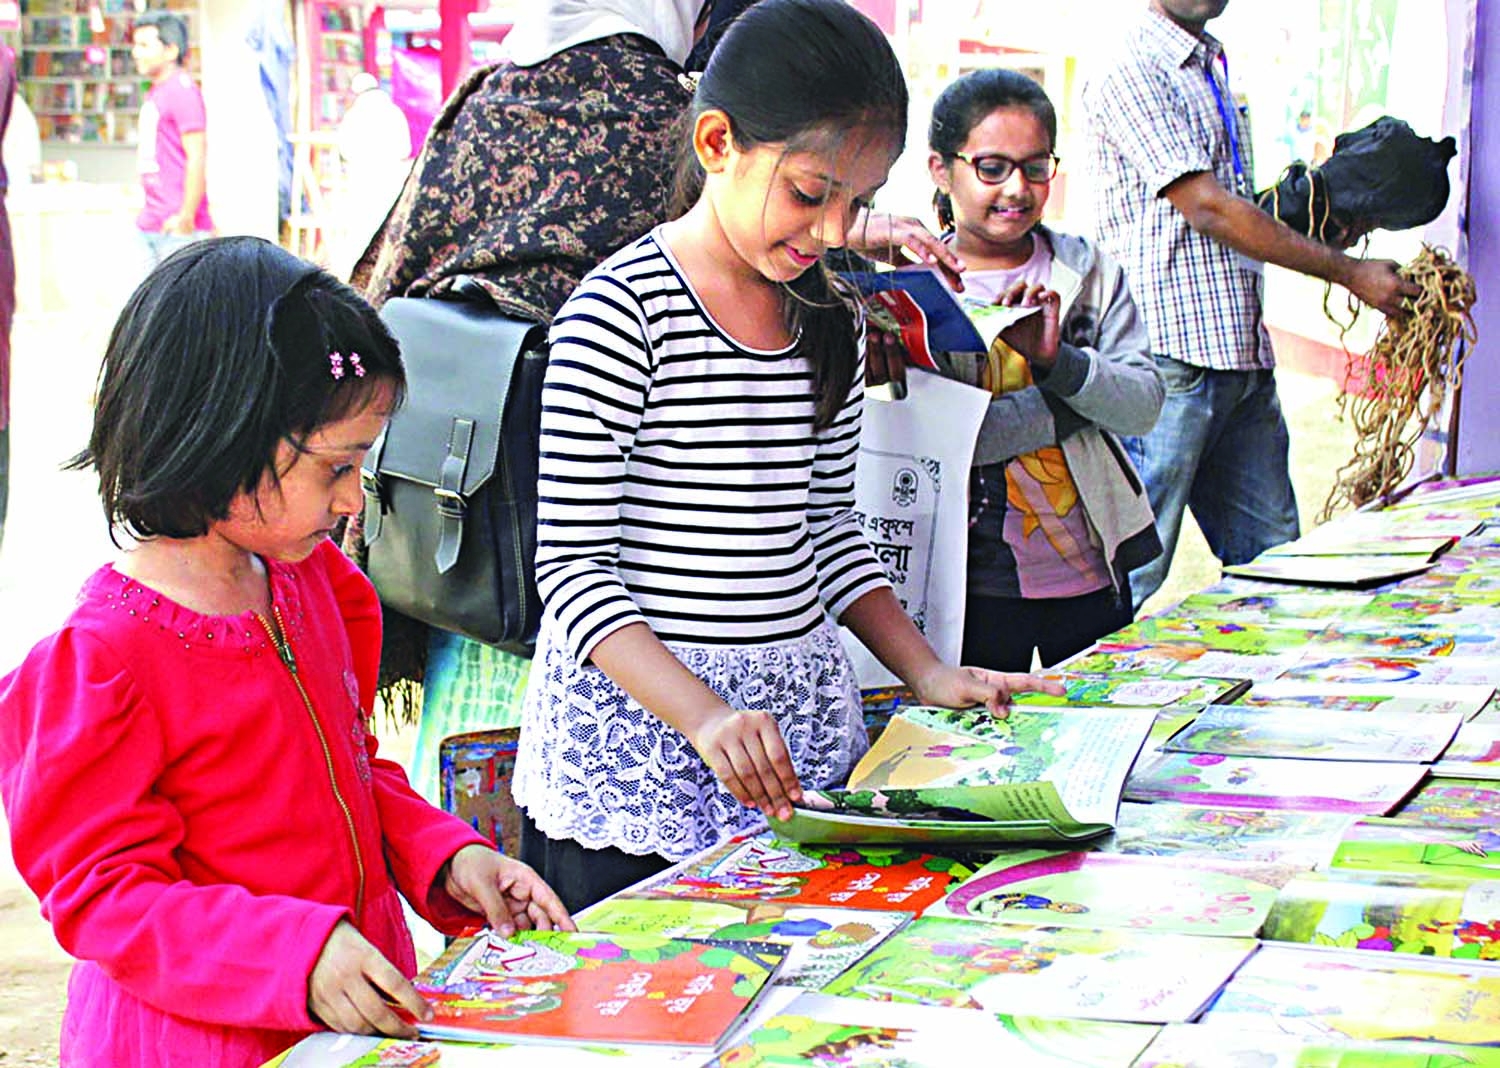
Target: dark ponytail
966, 103
806, 74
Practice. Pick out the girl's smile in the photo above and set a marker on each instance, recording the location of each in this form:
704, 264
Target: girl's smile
993, 223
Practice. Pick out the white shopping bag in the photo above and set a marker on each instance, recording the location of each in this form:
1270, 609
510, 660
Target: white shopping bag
911, 491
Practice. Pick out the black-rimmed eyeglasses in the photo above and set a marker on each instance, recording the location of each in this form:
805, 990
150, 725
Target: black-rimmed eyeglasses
991, 168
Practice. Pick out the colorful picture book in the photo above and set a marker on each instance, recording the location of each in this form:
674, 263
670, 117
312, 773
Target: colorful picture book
1181, 658
819, 1031
765, 868
1088, 889
931, 317
1267, 836
1297, 733
1474, 754
1428, 850
1420, 914
1367, 635
1378, 670
1268, 782
1391, 697
1132, 689
821, 940
584, 988
1299, 608
1453, 803
1100, 974
943, 775
1224, 635
1197, 1046
1330, 994
1354, 572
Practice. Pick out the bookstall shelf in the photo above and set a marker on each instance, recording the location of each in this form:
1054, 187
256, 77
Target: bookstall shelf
76, 72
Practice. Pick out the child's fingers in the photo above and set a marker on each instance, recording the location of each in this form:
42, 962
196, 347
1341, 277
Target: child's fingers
1012, 296
745, 770
773, 745
539, 898
386, 986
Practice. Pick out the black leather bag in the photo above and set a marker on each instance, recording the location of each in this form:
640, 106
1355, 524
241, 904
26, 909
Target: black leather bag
450, 487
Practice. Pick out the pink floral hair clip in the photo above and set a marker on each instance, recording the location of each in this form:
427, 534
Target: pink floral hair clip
336, 365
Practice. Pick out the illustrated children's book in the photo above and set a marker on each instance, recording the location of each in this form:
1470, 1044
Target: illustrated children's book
1397, 697
1368, 635
946, 775
1302, 608
1181, 658
1394, 845
765, 868
1131, 688
331, 1050
1355, 572
1331, 993
1379, 670
594, 989
1274, 731
1453, 803
821, 940
1199, 1046
1401, 606
1099, 974
1474, 754
1203, 895
931, 317
1224, 635
1280, 837
1422, 914
1268, 782
818, 1031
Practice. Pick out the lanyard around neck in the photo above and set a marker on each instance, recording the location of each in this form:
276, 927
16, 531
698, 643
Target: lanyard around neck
1241, 179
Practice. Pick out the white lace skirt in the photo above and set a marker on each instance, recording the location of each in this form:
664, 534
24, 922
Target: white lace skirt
596, 767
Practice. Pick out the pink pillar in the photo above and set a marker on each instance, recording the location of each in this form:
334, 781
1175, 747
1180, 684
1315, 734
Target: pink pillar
373, 25
453, 41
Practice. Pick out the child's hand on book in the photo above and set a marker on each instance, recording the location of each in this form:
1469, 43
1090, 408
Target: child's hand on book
510, 895
901, 240
1037, 336
354, 989
963, 687
745, 749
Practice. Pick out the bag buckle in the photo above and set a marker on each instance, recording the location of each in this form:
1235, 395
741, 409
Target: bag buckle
450, 501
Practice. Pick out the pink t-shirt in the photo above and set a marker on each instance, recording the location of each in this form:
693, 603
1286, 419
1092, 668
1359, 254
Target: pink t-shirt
1044, 525
173, 108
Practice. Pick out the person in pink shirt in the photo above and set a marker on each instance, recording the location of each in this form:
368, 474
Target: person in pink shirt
187, 767
172, 152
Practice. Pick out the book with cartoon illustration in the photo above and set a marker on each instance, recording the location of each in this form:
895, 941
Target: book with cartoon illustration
1136, 689
1098, 973
1078, 888
821, 940
1453, 803
1182, 658
1299, 607
1298, 733
1423, 849
1474, 754
1201, 1046
1335, 994
586, 989
1212, 633
945, 775
1400, 698
762, 867
1272, 782
1283, 837
1372, 635
1427, 915
820, 1031
1383, 670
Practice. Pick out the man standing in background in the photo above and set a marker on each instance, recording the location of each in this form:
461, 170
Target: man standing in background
173, 151
1170, 164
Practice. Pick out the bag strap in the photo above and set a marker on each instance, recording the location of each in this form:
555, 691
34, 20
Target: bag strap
449, 494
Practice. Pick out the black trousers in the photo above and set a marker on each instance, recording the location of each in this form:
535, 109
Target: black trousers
579, 875
1000, 633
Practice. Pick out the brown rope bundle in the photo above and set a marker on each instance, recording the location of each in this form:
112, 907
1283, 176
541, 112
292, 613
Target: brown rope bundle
1407, 373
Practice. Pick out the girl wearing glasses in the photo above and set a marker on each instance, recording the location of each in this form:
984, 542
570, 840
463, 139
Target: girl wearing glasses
1058, 517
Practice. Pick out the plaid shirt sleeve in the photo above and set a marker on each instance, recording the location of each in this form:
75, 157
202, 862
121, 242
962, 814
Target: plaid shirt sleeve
1148, 124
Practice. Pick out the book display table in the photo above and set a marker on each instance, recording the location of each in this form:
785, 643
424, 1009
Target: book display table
1302, 867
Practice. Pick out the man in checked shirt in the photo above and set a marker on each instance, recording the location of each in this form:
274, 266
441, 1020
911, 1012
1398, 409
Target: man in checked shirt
1171, 171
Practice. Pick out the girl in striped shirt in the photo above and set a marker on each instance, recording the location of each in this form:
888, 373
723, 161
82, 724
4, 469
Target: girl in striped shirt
697, 541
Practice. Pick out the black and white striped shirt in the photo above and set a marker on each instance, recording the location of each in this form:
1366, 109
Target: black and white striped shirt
682, 483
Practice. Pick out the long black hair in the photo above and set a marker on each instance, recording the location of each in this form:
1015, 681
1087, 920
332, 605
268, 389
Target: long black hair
802, 74
219, 356
966, 103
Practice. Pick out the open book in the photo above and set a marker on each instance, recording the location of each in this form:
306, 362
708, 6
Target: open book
963, 777
931, 317
595, 989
